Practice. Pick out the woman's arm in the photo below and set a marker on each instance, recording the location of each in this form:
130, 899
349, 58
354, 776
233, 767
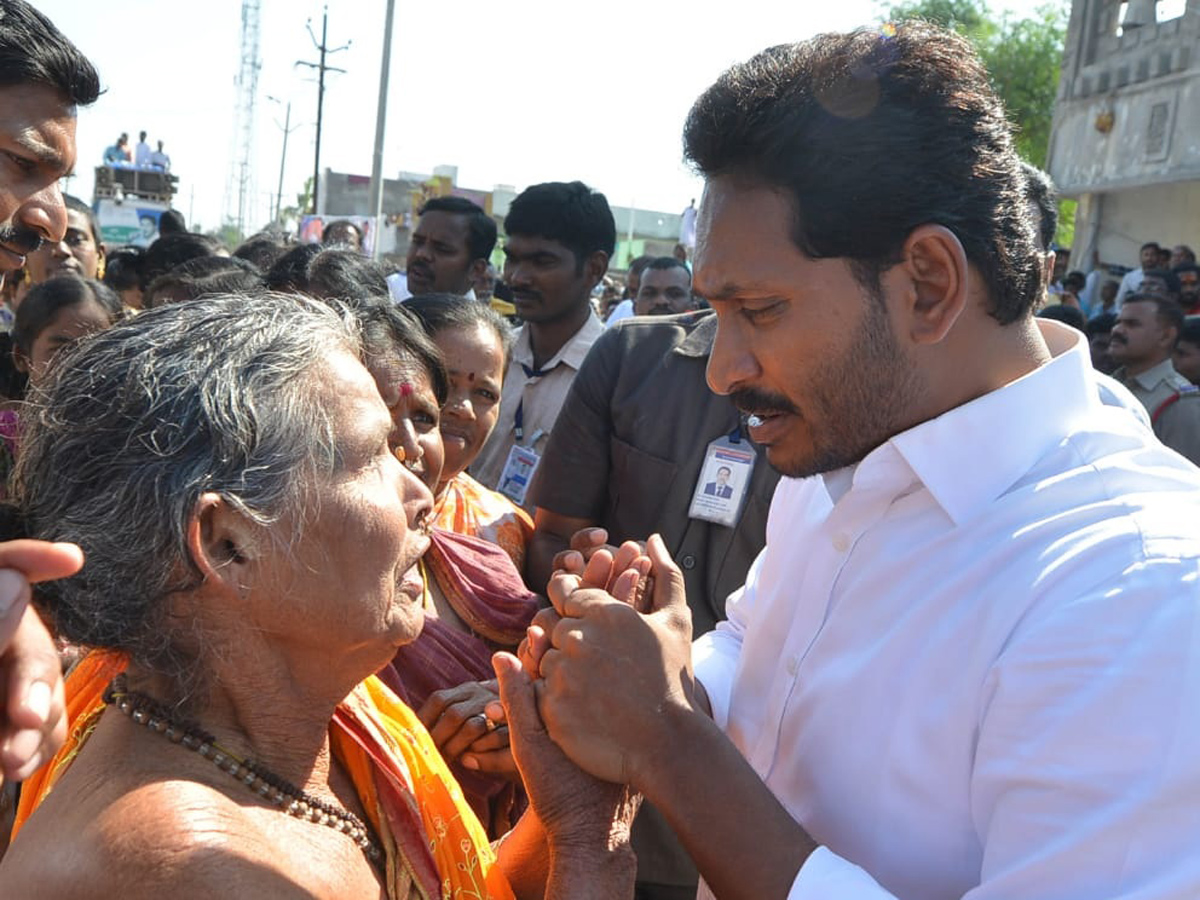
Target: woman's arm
574, 840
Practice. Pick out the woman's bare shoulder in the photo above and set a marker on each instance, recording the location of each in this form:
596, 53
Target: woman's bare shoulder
166, 838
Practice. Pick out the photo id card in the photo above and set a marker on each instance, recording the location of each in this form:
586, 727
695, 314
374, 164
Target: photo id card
724, 481
518, 473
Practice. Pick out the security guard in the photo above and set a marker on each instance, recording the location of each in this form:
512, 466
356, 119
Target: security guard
1143, 339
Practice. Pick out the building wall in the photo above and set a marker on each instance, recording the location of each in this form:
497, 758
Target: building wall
1126, 132
1128, 107
1166, 213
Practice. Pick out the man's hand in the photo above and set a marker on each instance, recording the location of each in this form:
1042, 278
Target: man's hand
624, 572
32, 720
610, 672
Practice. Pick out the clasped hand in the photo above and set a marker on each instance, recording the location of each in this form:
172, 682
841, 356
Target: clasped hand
611, 675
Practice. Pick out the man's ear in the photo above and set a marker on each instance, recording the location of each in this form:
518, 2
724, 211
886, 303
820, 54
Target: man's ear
20, 360
595, 266
478, 268
935, 268
221, 542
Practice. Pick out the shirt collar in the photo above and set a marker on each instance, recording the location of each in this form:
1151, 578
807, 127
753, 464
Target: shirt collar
571, 353
1149, 379
955, 455
699, 340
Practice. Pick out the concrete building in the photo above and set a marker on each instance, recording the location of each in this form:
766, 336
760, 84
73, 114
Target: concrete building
1126, 133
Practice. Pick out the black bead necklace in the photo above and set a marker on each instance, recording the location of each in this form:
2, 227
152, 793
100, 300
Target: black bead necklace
282, 793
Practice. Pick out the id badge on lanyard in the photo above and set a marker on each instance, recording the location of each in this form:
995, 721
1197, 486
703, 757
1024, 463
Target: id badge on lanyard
724, 480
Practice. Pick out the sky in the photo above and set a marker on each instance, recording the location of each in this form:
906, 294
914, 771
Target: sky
513, 94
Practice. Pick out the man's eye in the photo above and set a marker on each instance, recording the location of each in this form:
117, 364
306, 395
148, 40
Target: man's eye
25, 165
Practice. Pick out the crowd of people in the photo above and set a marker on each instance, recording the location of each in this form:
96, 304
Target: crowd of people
119, 155
850, 555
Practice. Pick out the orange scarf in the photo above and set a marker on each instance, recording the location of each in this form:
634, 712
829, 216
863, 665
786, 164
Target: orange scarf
434, 844
467, 507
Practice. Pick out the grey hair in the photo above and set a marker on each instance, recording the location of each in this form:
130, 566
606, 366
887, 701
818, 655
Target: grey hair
137, 422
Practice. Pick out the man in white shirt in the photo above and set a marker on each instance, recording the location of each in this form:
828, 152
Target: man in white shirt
967, 663
560, 239
141, 153
160, 160
1132, 282
449, 248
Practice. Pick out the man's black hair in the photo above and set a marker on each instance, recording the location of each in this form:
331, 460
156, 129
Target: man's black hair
1070, 315
1168, 310
871, 135
1101, 324
328, 272
662, 263
481, 228
1041, 193
171, 222
1191, 331
568, 212
171, 250
202, 276
33, 51
262, 250
1167, 276
1149, 244
123, 268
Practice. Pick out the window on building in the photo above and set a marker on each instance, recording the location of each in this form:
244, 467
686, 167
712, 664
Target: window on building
1164, 11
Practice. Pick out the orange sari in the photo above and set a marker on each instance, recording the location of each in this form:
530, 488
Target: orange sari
434, 844
467, 507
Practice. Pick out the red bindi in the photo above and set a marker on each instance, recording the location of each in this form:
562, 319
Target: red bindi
406, 389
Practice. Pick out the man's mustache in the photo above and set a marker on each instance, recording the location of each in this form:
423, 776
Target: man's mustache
20, 239
753, 401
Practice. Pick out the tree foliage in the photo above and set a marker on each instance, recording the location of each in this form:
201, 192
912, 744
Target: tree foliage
1023, 55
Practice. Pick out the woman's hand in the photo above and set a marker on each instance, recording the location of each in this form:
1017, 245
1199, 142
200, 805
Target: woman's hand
467, 723
581, 815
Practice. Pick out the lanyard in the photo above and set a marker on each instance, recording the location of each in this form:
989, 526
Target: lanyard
531, 372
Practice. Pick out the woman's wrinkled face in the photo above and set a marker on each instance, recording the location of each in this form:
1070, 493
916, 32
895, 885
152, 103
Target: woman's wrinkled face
408, 393
475, 366
349, 585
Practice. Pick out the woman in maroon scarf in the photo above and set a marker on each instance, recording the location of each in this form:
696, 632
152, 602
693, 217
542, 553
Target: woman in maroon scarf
475, 600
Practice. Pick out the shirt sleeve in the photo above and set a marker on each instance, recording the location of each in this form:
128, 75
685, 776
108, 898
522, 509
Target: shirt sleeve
715, 655
572, 477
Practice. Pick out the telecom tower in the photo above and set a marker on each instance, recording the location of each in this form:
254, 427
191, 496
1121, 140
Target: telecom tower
239, 185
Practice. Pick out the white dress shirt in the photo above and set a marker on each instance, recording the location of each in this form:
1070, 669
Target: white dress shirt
538, 393
970, 666
1130, 284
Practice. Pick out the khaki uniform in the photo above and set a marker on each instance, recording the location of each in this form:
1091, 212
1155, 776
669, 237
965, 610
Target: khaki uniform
1173, 403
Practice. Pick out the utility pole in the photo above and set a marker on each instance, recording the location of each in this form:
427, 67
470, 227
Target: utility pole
380, 129
321, 70
287, 129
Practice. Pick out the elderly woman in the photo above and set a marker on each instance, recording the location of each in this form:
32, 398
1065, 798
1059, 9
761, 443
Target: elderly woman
228, 468
475, 601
